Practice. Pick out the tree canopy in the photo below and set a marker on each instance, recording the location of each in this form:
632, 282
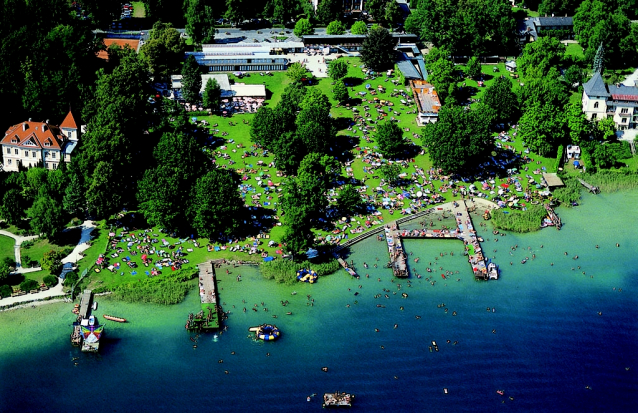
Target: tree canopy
459, 141
500, 97
540, 56
359, 27
338, 69
200, 22
329, 11
191, 80
335, 27
303, 27
217, 207
164, 51
389, 138
542, 128
212, 97
377, 50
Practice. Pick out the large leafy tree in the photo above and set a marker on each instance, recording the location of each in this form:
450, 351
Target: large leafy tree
46, 216
73, 202
542, 128
540, 56
500, 97
597, 22
296, 72
392, 13
296, 216
547, 89
237, 10
336, 27
389, 138
377, 9
473, 67
212, 96
102, 196
441, 74
359, 27
191, 80
165, 190
459, 141
340, 91
579, 127
303, 27
329, 10
558, 7
217, 207
338, 69
164, 50
266, 128
349, 201
377, 50
200, 22
286, 10
12, 208
466, 27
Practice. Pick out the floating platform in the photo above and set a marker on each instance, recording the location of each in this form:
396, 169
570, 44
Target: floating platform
337, 399
209, 317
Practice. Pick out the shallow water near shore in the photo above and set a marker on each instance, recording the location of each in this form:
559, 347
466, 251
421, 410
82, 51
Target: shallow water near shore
544, 344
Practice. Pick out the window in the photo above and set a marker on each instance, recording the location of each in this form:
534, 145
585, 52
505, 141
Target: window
46, 154
26, 154
624, 110
16, 151
69, 134
596, 105
593, 116
624, 120
53, 155
33, 154
9, 151
9, 162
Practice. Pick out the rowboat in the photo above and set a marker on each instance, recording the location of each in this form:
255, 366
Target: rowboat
113, 318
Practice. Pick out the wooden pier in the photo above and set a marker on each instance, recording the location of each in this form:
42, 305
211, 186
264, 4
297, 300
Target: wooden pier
464, 231
591, 188
553, 217
209, 316
84, 334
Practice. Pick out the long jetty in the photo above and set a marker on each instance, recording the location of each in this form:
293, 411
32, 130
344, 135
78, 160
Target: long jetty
208, 317
591, 188
553, 217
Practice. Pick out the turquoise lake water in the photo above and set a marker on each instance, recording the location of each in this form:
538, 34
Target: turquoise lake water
545, 344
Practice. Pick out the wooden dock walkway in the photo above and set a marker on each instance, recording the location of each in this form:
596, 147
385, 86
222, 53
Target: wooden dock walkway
553, 217
591, 188
208, 318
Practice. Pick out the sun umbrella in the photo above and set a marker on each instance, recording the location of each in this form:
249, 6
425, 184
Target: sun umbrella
505, 185
111, 234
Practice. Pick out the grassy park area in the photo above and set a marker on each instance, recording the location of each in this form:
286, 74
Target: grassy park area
139, 10
6, 248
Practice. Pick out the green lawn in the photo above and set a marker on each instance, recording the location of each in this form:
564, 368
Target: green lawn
6, 248
67, 240
574, 49
138, 9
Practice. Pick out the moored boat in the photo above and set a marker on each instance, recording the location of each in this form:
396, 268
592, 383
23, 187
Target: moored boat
492, 271
92, 320
113, 318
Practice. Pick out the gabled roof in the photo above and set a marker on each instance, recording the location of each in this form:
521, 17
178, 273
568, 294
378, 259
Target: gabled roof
69, 122
33, 135
622, 92
596, 86
554, 21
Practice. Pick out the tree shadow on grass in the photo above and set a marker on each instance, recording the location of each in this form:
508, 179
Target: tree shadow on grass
257, 220
68, 237
352, 81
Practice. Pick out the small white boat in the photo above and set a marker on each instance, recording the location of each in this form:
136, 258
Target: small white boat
492, 271
92, 320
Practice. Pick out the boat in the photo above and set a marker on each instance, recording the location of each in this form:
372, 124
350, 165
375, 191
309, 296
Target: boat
492, 271
501, 392
92, 320
114, 318
337, 399
94, 305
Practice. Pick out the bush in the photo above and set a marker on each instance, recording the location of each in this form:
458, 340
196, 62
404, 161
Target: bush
520, 221
163, 289
70, 279
51, 261
28, 285
27, 244
5, 291
9, 262
285, 271
76, 221
50, 281
570, 193
336, 28
559, 158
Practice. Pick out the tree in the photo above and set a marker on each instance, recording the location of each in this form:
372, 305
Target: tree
289, 150
468, 27
265, 128
548, 89
296, 72
164, 51
359, 27
73, 201
574, 76
329, 10
28, 285
70, 278
236, 10
473, 68
500, 98
286, 10
200, 22
50, 280
349, 201
52, 262
580, 128
336, 27
101, 198
377, 9
606, 129
540, 56
393, 14
316, 173
441, 74
47, 216
12, 208
296, 216
459, 141
558, 7
389, 172
542, 128
340, 91
191, 80
389, 138
303, 27
377, 50
217, 207
599, 59
338, 69
212, 97
5, 290
604, 157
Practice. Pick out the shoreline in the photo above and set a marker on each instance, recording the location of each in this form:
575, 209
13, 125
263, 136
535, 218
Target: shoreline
32, 304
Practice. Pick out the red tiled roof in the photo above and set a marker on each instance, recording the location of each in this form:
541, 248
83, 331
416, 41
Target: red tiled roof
38, 133
69, 122
625, 97
132, 43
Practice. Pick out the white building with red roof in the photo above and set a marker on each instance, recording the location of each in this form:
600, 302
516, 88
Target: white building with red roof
29, 143
619, 102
